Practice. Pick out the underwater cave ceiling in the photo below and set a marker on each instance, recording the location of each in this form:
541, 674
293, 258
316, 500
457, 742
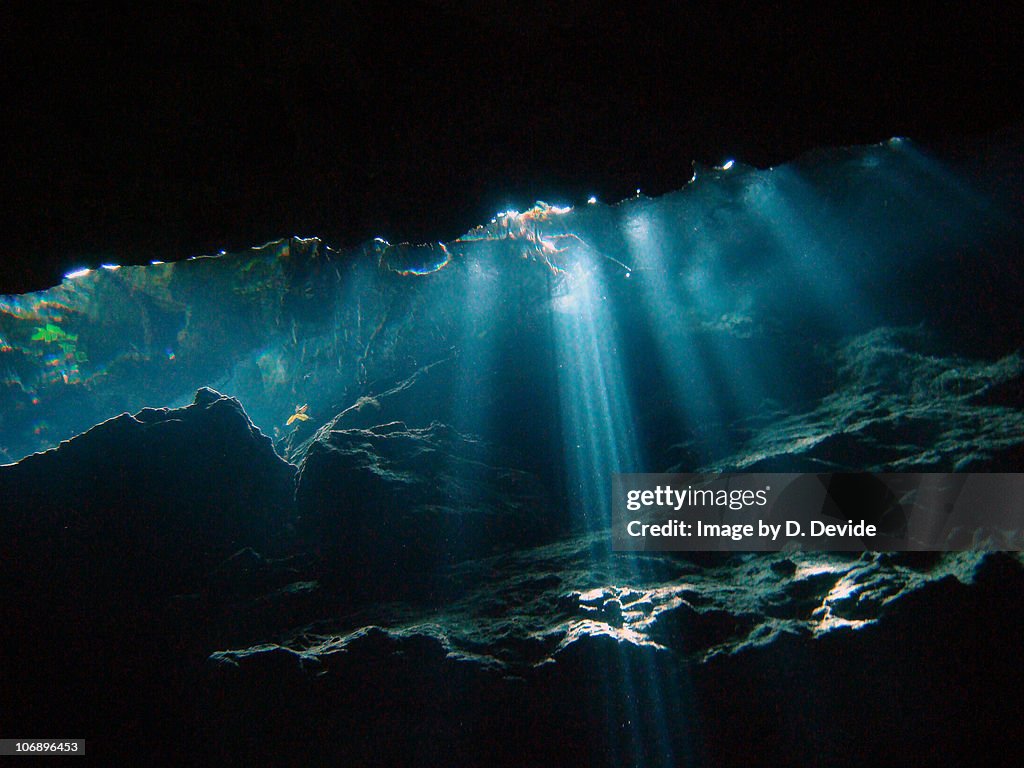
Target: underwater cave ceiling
733, 300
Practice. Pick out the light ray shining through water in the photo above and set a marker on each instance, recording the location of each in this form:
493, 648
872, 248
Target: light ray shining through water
596, 410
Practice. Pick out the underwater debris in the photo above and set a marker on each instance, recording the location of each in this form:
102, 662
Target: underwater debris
51, 333
299, 415
365, 401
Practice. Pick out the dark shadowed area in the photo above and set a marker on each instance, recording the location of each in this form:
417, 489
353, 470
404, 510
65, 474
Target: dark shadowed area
133, 133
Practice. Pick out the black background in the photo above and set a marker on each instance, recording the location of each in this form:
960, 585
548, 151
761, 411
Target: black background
131, 133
